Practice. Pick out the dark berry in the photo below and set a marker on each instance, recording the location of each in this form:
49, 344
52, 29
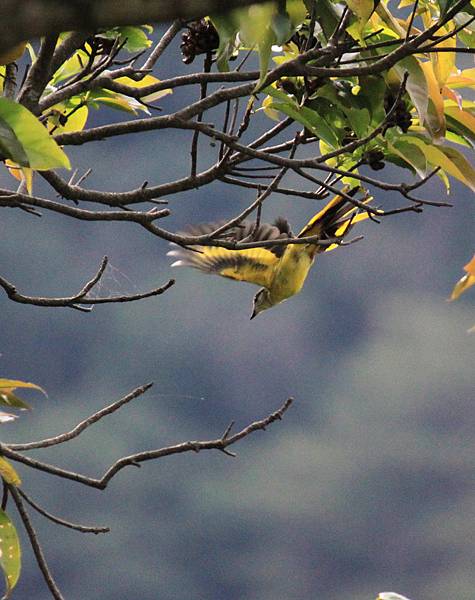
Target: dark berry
288, 86
200, 38
374, 158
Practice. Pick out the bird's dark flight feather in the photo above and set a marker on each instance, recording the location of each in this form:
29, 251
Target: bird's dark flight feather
265, 231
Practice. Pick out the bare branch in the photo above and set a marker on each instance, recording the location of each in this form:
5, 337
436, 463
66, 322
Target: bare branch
81, 298
83, 425
219, 444
63, 522
135, 459
35, 544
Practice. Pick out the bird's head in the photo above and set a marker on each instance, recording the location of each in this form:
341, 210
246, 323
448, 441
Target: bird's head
262, 301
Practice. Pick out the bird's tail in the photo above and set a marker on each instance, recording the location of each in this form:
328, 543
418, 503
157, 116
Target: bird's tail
336, 219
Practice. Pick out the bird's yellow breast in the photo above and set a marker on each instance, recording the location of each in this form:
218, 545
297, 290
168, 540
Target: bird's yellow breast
291, 273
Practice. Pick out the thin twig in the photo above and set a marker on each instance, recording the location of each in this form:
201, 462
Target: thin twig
208, 61
35, 544
164, 42
411, 20
83, 425
63, 522
81, 298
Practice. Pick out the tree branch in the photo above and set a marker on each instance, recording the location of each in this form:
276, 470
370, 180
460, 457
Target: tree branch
83, 425
27, 19
35, 544
82, 297
221, 444
62, 522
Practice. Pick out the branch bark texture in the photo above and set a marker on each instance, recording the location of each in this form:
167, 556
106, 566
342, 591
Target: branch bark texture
28, 19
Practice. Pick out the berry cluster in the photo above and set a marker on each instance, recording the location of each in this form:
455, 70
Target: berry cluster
401, 116
374, 158
200, 38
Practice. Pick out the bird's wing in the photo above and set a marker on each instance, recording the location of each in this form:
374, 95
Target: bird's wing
254, 265
335, 219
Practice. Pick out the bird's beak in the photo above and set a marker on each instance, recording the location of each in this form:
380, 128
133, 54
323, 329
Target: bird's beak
254, 314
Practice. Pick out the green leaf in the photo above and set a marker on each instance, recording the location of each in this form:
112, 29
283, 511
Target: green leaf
411, 154
327, 15
282, 27
227, 27
10, 146
461, 164
362, 9
372, 90
309, 119
359, 120
10, 553
265, 51
356, 108
444, 6
117, 101
321, 124
416, 84
70, 67
467, 34
137, 39
458, 139
34, 147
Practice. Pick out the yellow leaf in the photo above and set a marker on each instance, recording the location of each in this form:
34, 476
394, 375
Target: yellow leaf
470, 266
7, 396
23, 174
464, 78
387, 18
435, 119
122, 102
465, 282
447, 93
462, 116
145, 82
63, 120
13, 54
8, 473
448, 159
12, 384
269, 111
362, 10
443, 63
462, 286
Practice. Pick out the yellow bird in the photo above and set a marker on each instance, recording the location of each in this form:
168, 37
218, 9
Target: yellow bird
281, 270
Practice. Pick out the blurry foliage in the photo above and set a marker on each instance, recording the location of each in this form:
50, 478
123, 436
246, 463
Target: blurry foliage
10, 553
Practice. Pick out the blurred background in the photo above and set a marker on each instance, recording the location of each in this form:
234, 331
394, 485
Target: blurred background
367, 483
